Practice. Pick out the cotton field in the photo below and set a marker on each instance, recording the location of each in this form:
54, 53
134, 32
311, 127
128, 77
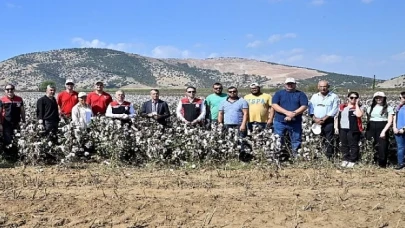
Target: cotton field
145, 141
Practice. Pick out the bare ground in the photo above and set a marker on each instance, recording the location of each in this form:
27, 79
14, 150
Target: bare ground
129, 197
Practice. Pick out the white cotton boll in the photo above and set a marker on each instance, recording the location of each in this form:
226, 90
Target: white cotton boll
49, 143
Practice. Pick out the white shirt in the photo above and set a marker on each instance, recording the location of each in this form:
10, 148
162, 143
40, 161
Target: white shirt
81, 115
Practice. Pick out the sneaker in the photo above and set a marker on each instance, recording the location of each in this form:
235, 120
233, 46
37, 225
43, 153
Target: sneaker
344, 163
350, 165
399, 167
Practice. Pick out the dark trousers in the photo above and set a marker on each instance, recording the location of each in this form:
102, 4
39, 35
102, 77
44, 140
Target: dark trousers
380, 145
349, 145
8, 131
327, 133
51, 130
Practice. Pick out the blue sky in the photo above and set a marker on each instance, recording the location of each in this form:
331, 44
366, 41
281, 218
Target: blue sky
360, 37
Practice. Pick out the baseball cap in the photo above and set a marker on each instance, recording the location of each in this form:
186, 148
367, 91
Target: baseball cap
253, 85
82, 94
69, 81
379, 94
316, 129
290, 80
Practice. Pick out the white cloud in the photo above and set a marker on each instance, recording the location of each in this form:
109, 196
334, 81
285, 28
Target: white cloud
96, 43
328, 59
213, 55
277, 37
12, 5
254, 44
317, 2
399, 56
366, 1
170, 52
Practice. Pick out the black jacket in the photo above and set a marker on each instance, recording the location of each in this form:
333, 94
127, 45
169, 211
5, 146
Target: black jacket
47, 109
162, 110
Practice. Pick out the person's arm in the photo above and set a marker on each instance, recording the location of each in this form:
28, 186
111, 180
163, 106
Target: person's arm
359, 111
166, 111
303, 104
22, 108
202, 114
334, 110
59, 102
75, 115
132, 112
178, 112
40, 110
109, 113
245, 111
143, 110
387, 126
311, 104
221, 113
276, 105
207, 109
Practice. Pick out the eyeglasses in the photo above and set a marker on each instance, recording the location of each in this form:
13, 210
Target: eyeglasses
9, 89
232, 91
121, 94
217, 88
351, 98
190, 91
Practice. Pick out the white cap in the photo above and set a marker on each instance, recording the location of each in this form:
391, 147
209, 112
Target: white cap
82, 94
316, 129
379, 94
289, 80
69, 81
254, 84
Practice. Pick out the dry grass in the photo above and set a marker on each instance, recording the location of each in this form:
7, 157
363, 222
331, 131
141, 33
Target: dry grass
228, 196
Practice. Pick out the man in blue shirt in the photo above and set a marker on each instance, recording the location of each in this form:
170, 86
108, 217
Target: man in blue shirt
323, 107
289, 104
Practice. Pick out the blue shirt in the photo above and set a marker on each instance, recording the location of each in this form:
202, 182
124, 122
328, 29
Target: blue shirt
233, 110
289, 101
401, 117
321, 106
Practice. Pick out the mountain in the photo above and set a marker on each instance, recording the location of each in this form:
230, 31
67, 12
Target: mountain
397, 82
126, 70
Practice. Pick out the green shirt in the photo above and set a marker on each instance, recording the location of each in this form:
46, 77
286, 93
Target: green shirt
213, 101
376, 114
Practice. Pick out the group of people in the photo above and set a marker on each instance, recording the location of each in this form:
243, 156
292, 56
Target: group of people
283, 112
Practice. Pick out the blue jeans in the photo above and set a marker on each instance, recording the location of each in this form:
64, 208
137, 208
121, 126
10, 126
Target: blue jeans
400, 138
295, 131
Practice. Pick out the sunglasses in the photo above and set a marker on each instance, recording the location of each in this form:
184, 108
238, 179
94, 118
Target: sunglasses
9, 89
218, 88
232, 91
351, 98
190, 91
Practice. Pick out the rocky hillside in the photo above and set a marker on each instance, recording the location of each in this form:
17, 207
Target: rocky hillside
397, 82
125, 70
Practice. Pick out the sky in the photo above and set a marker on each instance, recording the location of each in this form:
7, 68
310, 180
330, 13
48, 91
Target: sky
357, 37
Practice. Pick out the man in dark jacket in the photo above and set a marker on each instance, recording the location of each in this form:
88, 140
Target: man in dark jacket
155, 108
48, 112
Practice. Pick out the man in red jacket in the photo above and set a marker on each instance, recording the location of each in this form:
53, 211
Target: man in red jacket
99, 100
191, 109
67, 99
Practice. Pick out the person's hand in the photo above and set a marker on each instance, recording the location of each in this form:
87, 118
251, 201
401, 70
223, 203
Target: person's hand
156, 117
40, 121
124, 116
382, 135
242, 127
287, 119
396, 131
290, 114
150, 115
401, 131
269, 123
318, 121
194, 122
336, 131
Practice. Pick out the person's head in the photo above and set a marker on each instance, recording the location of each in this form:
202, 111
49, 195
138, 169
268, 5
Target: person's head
154, 94
352, 97
255, 88
379, 98
82, 98
191, 92
120, 95
9, 90
99, 86
323, 87
402, 98
290, 84
69, 84
50, 90
217, 88
232, 92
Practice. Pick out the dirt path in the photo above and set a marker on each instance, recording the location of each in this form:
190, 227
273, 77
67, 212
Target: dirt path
97, 197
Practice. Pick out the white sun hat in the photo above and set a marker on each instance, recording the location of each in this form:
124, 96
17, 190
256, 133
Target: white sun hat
316, 128
379, 94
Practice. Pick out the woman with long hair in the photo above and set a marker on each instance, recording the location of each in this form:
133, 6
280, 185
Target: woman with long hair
349, 127
399, 130
379, 120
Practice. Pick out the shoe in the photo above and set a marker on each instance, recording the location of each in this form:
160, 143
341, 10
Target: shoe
399, 167
344, 163
350, 165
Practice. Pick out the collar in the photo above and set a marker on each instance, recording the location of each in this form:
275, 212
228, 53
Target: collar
237, 98
327, 95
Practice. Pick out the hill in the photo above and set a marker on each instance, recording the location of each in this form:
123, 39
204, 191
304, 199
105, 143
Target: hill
397, 82
126, 70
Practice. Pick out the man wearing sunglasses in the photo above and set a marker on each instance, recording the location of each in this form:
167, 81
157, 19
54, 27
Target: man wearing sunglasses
212, 103
12, 113
191, 110
289, 104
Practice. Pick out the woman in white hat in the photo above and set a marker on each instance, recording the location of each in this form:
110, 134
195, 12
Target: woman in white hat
81, 112
379, 120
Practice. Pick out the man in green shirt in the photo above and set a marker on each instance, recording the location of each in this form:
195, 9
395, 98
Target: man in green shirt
212, 103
